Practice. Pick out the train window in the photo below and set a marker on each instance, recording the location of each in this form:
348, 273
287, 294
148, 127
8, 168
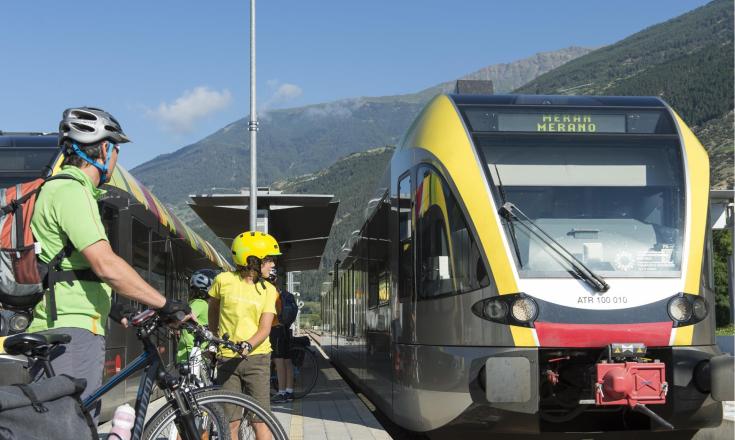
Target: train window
109, 219
617, 204
159, 259
378, 255
449, 261
405, 239
140, 238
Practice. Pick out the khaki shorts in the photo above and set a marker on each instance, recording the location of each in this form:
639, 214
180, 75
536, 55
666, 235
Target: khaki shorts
249, 375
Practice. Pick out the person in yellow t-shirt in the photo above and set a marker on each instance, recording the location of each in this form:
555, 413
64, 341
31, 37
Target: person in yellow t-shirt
243, 306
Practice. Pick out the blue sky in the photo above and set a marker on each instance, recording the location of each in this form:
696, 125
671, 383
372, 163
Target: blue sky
173, 71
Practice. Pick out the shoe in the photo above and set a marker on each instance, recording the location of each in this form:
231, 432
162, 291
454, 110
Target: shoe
289, 397
279, 398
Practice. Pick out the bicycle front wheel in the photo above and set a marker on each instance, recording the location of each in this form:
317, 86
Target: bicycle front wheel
305, 370
211, 420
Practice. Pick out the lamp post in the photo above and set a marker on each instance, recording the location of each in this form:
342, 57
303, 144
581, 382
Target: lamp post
253, 127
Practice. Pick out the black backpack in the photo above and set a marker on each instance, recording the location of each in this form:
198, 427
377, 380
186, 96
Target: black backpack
289, 309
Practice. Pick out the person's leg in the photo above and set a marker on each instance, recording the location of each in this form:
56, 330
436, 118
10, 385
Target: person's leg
83, 357
228, 376
281, 373
289, 375
289, 364
256, 377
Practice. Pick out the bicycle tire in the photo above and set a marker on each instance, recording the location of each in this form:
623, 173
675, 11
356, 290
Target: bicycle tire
304, 383
212, 398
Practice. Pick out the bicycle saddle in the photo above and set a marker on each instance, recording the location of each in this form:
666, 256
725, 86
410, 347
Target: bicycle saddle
27, 342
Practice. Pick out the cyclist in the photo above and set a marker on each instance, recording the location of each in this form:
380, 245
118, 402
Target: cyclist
199, 283
279, 338
67, 217
243, 306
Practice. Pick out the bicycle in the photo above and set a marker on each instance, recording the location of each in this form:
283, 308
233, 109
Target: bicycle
189, 412
305, 368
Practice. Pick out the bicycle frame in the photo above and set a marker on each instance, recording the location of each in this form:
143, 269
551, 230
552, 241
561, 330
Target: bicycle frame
150, 360
144, 389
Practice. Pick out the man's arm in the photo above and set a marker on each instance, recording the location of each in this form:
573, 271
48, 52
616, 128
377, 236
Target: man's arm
118, 274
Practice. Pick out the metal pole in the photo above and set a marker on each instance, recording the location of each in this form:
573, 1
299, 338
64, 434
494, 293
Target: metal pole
253, 127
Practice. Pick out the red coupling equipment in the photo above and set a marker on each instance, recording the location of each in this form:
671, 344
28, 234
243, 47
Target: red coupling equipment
631, 383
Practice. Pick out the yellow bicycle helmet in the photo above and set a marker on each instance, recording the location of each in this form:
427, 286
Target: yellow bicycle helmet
257, 244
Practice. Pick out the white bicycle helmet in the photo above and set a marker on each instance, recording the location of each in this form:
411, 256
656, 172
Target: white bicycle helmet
201, 280
89, 125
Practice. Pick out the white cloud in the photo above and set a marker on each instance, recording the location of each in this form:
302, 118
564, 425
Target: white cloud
283, 93
193, 105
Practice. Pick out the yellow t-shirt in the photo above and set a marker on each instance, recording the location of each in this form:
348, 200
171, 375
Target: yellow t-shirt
241, 305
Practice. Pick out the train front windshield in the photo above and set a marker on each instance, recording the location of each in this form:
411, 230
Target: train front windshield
613, 200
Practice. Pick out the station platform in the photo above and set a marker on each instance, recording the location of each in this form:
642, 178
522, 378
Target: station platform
330, 411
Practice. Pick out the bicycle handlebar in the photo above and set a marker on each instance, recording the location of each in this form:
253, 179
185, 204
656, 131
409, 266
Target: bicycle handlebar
146, 316
207, 335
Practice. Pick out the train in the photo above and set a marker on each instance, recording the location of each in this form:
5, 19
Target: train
141, 229
535, 265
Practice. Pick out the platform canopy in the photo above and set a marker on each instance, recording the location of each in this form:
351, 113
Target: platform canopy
300, 222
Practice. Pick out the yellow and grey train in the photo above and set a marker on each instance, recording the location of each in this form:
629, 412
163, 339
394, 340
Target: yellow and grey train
535, 264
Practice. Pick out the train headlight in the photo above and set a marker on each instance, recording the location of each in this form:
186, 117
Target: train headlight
496, 310
680, 309
699, 308
510, 309
524, 309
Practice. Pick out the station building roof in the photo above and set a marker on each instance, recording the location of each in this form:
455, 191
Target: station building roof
300, 222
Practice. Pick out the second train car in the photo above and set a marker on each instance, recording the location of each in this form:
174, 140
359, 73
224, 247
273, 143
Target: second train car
535, 264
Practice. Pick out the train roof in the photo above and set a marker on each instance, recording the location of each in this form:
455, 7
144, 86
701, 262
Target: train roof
560, 100
124, 181
27, 140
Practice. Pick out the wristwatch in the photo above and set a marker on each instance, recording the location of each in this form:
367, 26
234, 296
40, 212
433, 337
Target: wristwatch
247, 347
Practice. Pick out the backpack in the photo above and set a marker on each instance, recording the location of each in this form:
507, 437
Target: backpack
50, 408
289, 309
23, 277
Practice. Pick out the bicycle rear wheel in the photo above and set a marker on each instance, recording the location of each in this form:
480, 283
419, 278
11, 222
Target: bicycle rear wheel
211, 418
305, 370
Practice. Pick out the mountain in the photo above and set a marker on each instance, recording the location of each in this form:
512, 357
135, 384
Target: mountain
692, 69
303, 140
688, 61
352, 180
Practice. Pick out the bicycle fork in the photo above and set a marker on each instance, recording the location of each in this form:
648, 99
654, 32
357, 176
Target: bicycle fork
186, 422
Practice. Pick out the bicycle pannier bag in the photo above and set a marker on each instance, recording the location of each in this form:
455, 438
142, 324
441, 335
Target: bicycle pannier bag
48, 409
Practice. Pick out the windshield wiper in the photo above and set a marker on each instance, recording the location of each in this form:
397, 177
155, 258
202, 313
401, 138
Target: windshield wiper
509, 219
509, 210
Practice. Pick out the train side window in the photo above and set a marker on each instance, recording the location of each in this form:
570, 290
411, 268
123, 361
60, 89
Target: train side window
140, 238
109, 220
405, 239
449, 261
159, 259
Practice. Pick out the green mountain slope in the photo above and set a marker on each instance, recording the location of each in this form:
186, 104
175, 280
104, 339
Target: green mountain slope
352, 180
688, 61
303, 140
